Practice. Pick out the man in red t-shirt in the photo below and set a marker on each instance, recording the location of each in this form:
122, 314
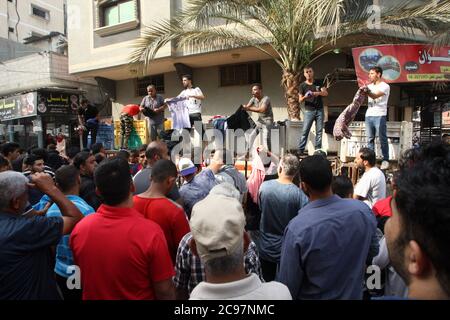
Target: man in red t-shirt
155, 205
382, 211
121, 255
383, 208
126, 122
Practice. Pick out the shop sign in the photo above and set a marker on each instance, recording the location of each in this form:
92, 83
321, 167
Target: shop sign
403, 63
19, 106
57, 103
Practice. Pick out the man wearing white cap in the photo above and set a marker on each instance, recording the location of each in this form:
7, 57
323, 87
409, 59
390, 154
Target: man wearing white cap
217, 225
187, 169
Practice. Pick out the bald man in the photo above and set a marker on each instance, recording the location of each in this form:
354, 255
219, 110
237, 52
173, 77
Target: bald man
156, 150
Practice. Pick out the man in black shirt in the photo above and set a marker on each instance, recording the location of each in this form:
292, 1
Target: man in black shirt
311, 93
85, 162
88, 117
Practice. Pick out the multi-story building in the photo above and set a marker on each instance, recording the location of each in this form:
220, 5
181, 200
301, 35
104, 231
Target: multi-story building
22, 20
101, 36
34, 72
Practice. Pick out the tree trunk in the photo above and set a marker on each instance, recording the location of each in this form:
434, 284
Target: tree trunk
290, 82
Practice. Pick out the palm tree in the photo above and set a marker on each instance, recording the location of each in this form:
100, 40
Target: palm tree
291, 32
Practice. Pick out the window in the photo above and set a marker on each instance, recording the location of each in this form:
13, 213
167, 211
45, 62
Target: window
240, 74
10, 29
118, 12
142, 83
114, 16
39, 12
121, 13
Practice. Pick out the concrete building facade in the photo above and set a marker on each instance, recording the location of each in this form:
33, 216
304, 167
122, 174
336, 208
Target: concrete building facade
20, 20
34, 64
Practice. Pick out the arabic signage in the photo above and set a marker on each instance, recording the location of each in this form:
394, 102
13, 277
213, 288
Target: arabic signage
57, 103
19, 106
403, 63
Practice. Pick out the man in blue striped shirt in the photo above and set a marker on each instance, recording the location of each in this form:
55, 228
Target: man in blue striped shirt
68, 181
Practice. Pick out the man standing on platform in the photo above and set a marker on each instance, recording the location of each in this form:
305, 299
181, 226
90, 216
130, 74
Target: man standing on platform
311, 93
376, 113
194, 97
260, 104
88, 118
152, 106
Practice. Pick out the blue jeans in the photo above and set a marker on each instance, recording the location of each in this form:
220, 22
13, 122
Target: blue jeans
308, 119
155, 129
376, 126
92, 127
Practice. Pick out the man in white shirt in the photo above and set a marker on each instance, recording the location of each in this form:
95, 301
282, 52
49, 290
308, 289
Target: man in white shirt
194, 98
376, 113
372, 186
219, 239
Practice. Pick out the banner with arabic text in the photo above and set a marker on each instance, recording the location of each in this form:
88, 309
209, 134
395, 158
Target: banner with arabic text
403, 63
19, 106
57, 103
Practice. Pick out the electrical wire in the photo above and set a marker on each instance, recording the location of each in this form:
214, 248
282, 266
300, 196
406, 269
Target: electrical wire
41, 73
7, 18
18, 20
33, 72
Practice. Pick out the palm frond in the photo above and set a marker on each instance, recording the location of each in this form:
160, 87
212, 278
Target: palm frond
403, 19
296, 30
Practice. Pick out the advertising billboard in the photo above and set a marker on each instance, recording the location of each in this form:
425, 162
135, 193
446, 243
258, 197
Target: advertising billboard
403, 63
19, 106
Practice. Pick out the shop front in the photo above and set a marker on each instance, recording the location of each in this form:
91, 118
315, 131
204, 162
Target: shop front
431, 115
19, 121
36, 118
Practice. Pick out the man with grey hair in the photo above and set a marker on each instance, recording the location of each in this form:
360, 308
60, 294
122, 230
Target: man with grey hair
26, 267
219, 239
280, 200
152, 106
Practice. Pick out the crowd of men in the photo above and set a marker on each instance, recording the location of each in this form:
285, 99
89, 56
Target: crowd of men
136, 225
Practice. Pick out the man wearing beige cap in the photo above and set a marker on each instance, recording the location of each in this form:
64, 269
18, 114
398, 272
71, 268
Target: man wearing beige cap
217, 226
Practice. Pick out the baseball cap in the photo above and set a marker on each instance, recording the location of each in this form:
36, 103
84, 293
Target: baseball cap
217, 225
186, 167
